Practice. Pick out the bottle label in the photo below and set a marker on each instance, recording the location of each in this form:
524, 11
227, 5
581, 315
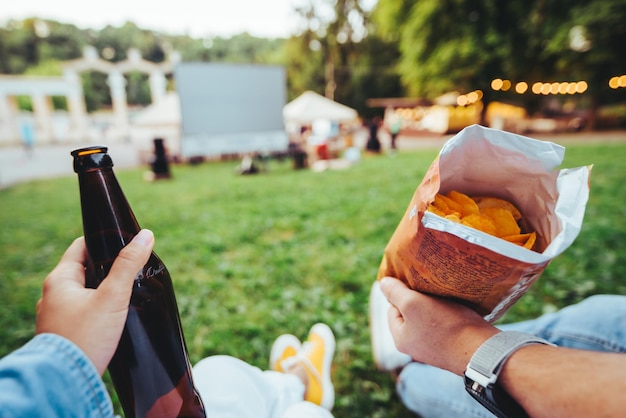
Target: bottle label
150, 272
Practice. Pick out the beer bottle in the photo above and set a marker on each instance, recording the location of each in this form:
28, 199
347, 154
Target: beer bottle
150, 368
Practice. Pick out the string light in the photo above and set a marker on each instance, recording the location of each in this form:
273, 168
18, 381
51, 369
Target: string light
496, 84
537, 87
469, 98
521, 87
617, 82
499, 84
555, 87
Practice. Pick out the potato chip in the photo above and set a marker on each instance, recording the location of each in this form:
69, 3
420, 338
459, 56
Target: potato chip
453, 217
517, 238
436, 210
531, 241
504, 221
491, 215
468, 205
481, 222
451, 205
494, 202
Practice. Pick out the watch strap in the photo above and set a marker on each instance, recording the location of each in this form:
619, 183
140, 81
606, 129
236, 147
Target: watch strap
484, 368
490, 357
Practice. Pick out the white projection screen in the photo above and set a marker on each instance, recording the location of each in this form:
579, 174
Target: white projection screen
231, 108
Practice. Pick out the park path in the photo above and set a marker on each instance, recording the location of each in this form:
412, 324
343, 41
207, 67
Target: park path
46, 161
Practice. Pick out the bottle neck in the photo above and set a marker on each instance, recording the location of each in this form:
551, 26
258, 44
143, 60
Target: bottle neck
108, 220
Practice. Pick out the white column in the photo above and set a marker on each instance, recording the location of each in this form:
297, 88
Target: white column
76, 106
158, 85
43, 117
117, 83
9, 132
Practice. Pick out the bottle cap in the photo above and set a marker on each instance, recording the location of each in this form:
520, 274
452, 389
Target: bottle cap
91, 158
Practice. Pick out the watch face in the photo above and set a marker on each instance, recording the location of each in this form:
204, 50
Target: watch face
479, 394
495, 400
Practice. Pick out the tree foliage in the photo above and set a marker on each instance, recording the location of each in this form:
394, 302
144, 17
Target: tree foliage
599, 53
463, 44
26, 43
38, 47
350, 53
338, 55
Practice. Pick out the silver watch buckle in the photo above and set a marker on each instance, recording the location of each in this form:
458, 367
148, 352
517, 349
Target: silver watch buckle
480, 378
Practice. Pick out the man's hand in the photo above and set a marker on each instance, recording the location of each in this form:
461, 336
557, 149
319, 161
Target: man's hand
93, 319
433, 330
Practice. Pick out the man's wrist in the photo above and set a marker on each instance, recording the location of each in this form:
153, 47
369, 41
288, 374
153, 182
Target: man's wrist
468, 344
483, 370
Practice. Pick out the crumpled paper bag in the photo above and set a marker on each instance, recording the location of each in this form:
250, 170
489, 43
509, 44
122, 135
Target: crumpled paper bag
440, 257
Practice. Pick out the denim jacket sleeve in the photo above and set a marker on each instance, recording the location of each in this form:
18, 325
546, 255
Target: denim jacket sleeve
51, 377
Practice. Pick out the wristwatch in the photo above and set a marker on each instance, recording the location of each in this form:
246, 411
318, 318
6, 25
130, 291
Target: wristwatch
485, 366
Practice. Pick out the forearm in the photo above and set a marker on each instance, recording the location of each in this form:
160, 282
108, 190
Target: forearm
559, 382
547, 381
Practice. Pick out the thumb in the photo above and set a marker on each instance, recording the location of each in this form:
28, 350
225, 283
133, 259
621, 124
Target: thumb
393, 289
118, 284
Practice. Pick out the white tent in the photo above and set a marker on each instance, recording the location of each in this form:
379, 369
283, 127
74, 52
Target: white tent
310, 107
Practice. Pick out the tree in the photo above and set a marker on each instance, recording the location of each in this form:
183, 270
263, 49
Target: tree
464, 44
336, 54
373, 75
305, 62
37, 46
590, 46
445, 45
24, 44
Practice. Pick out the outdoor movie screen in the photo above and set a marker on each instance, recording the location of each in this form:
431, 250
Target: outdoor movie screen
231, 108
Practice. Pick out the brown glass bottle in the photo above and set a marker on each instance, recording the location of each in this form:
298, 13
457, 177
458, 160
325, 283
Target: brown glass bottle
150, 369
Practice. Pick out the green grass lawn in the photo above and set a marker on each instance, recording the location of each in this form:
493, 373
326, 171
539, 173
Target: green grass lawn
256, 256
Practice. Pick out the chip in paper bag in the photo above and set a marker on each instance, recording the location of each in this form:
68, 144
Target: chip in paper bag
487, 264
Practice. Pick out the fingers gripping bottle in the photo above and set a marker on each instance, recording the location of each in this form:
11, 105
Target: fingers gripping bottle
150, 369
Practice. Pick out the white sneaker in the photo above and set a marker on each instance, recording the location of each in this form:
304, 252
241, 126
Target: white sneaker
386, 356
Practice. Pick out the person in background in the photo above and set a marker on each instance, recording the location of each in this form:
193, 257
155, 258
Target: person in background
373, 142
572, 363
28, 137
58, 372
394, 124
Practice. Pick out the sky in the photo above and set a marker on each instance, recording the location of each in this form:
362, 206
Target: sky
197, 18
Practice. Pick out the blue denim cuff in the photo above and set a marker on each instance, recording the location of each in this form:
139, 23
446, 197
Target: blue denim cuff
51, 376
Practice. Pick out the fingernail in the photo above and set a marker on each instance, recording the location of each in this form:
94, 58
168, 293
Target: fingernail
384, 282
144, 237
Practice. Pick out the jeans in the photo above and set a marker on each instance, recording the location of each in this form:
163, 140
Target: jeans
598, 323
